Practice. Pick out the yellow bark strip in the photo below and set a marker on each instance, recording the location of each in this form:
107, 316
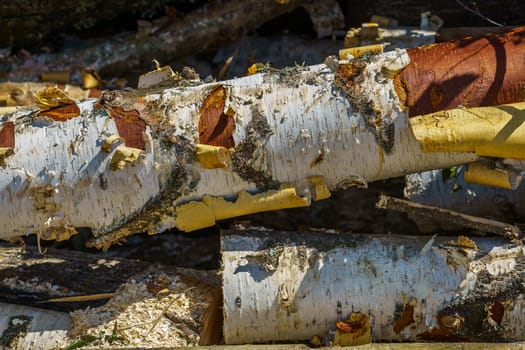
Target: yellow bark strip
497, 131
480, 174
124, 155
193, 216
109, 142
212, 157
200, 214
320, 190
246, 203
360, 51
4, 153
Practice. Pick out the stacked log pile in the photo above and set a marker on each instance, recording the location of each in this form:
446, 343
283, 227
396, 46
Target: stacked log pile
184, 153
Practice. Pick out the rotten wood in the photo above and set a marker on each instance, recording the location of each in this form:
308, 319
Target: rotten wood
30, 278
440, 215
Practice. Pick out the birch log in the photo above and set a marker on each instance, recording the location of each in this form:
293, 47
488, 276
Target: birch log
184, 157
23, 327
432, 188
282, 286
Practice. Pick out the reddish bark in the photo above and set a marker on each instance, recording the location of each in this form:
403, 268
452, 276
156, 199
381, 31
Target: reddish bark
471, 72
216, 127
7, 135
130, 127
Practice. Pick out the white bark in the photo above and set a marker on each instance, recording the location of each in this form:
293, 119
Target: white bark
287, 287
289, 125
39, 329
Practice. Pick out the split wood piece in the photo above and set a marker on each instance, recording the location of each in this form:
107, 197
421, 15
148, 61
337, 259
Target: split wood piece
446, 216
292, 286
207, 27
30, 278
326, 17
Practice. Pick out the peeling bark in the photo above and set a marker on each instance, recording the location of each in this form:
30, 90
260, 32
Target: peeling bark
285, 286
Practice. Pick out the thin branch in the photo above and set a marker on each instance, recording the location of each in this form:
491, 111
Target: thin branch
477, 13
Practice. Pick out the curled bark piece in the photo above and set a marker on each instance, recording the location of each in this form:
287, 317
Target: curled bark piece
282, 286
22, 94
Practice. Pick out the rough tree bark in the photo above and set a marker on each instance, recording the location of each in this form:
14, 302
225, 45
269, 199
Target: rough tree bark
293, 286
185, 157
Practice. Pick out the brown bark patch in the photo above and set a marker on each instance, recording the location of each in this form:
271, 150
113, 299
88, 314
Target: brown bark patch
406, 318
130, 127
62, 113
496, 311
472, 72
42, 198
442, 334
7, 135
216, 127
94, 93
